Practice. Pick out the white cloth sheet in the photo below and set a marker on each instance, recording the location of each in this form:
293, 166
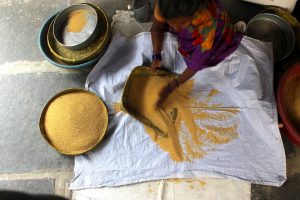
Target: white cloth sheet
202, 189
127, 155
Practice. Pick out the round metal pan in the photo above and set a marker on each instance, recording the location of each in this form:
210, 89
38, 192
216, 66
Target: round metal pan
99, 136
272, 28
87, 53
289, 18
80, 39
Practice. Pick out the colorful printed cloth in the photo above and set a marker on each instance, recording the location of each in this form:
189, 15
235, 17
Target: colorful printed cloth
209, 39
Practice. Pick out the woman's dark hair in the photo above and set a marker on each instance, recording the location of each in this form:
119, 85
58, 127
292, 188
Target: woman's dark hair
171, 9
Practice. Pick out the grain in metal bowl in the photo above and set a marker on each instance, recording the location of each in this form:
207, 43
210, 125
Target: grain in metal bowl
76, 27
74, 121
131, 93
93, 50
289, 18
44, 48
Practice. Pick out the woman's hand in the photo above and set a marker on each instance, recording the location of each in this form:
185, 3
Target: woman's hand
166, 91
156, 64
171, 86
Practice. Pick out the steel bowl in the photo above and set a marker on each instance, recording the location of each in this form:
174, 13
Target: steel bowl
81, 38
79, 56
141, 9
289, 18
272, 28
44, 49
125, 104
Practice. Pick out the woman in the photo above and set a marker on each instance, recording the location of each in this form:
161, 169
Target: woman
204, 33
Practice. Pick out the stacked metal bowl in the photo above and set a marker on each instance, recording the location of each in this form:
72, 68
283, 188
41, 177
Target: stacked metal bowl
76, 37
277, 26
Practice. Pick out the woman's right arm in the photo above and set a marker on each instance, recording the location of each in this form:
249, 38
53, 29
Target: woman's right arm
157, 35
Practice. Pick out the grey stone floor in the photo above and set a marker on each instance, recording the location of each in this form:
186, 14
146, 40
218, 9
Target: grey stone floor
27, 163
27, 82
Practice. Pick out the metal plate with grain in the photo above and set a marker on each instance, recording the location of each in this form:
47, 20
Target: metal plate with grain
44, 48
87, 53
142, 71
84, 18
74, 121
272, 28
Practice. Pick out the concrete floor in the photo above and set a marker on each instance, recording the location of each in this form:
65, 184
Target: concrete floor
27, 81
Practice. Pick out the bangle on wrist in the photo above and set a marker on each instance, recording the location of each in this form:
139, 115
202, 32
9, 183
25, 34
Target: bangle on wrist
157, 56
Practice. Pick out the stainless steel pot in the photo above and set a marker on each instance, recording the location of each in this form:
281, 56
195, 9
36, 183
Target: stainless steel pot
141, 10
272, 28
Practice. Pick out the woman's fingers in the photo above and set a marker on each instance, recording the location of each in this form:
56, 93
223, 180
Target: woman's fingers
155, 64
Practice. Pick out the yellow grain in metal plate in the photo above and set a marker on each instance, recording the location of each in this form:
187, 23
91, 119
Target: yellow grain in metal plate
87, 53
74, 121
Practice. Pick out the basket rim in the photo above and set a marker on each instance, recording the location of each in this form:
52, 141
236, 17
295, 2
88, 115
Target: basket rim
292, 132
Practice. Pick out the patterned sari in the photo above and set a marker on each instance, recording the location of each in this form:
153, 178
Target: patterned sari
209, 39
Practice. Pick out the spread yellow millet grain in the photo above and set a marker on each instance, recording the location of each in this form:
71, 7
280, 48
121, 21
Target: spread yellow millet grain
117, 107
75, 122
77, 20
178, 111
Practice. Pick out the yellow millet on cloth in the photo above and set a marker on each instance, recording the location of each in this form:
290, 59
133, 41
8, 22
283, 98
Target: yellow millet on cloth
177, 112
117, 107
75, 122
77, 21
